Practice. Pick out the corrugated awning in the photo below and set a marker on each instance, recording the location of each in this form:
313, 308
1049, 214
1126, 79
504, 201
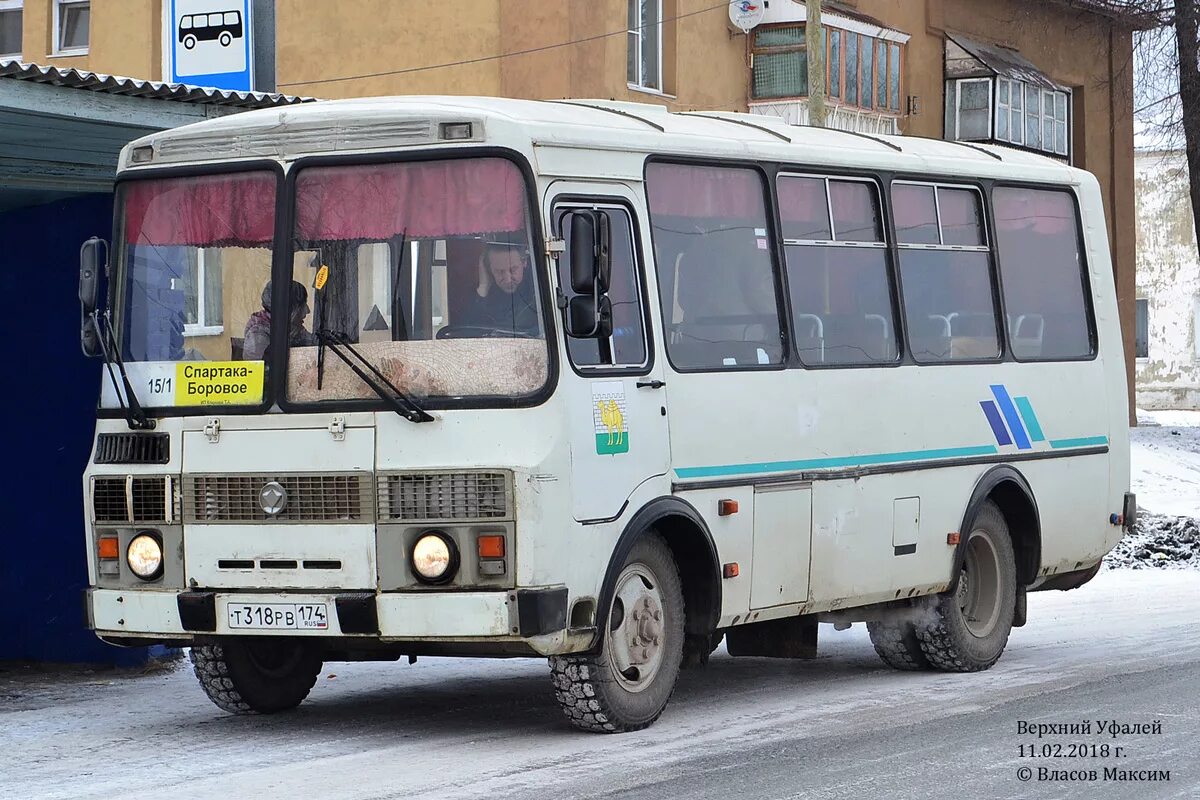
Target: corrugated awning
968, 58
134, 87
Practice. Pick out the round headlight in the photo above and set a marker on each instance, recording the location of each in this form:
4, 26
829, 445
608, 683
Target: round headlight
434, 557
145, 556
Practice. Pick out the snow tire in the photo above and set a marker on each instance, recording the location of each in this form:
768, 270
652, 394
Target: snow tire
895, 641
944, 634
593, 696
235, 678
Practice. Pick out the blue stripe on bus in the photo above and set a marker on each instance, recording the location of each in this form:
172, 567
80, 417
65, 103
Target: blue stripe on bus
993, 417
1011, 415
840, 461
1082, 441
1031, 420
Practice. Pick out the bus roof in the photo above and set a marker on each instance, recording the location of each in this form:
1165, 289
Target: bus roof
392, 123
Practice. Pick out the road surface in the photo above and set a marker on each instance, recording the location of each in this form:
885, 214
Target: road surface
1125, 648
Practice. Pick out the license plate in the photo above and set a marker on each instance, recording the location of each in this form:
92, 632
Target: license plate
279, 616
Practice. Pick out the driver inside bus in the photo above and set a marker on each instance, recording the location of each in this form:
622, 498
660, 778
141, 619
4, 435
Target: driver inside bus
505, 299
258, 327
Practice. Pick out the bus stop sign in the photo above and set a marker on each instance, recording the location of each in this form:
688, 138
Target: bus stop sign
209, 43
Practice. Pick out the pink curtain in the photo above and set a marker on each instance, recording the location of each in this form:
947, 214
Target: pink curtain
422, 199
803, 208
913, 206
202, 211
855, 213
681, 190
1048, 212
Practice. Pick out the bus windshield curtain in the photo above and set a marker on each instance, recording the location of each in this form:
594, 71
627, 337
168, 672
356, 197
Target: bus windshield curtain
432, 199
201, 211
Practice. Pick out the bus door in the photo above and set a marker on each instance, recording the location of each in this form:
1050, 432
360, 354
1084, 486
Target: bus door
616, 406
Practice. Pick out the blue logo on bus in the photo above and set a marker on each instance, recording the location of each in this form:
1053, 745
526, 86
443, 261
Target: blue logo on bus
1012, 419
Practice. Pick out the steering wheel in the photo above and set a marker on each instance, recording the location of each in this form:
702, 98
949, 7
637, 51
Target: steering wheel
482, 332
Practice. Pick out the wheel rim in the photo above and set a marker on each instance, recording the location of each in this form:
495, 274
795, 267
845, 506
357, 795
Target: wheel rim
979, 585
636, 629
274, 659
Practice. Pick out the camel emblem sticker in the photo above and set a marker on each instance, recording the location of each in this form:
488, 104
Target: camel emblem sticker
608, 416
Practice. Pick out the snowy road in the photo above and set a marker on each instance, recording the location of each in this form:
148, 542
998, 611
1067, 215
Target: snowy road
1126, 648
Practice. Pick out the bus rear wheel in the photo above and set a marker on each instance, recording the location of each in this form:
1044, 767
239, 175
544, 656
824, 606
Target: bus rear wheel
968, 628
626, 686
256, 676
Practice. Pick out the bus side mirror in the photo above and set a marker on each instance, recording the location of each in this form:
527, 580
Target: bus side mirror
589, 313
590, 243
587, 320
90, 264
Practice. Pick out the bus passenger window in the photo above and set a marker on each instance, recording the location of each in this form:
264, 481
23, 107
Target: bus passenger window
716, 277
1043, 274
945, 273
628, 343
837, 272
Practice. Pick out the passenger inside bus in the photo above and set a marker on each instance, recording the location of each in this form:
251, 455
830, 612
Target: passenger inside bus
257, 337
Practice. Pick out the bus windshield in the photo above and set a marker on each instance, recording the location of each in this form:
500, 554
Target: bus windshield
194, 267
426, 269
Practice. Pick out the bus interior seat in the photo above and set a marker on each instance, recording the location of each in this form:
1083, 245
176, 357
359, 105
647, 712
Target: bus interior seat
810, 338
708, 333
930, 336
1027, 335
972, 335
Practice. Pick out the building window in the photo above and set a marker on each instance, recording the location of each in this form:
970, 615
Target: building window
994, 94
10, 28
72, 20
645, 44
1141, 341
860, 70
204, 306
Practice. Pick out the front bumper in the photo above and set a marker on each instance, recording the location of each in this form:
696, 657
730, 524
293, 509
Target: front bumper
411, 616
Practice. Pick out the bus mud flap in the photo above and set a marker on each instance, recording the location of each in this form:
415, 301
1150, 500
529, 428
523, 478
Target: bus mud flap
791, 637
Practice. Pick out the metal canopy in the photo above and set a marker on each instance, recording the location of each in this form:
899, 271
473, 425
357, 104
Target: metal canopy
968, 58
61, 130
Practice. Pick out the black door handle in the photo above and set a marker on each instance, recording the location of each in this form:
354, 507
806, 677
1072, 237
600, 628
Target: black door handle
655, 384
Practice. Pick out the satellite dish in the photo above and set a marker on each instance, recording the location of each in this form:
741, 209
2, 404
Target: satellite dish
746, 14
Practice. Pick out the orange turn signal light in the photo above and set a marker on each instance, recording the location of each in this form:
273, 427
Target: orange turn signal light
491, 546
730, 570
953, 538
726, 507
107, 547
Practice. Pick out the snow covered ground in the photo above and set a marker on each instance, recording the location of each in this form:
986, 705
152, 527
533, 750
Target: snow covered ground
1165, 474
1126, 647
1165, 462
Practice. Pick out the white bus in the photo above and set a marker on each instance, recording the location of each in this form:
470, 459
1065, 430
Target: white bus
595, 382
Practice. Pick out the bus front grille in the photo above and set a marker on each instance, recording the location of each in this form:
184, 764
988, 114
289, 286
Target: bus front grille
133, 499
432, 496
307, 498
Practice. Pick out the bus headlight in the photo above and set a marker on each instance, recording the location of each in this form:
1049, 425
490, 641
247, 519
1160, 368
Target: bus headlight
145, 556
434, 557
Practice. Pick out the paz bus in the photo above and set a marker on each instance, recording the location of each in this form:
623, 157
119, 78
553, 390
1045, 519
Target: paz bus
593, 382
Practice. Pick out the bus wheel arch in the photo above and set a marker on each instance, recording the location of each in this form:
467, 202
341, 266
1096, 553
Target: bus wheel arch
1007, 488
680, 525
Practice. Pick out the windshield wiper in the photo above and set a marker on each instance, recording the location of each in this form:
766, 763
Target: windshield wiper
401, 403
135, 415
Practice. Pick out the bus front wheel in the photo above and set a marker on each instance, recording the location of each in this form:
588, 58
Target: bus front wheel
967, 629
256, 676
626, 686
189, 42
